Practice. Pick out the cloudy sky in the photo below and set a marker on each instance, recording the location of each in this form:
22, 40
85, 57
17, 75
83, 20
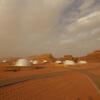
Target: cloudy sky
29, 27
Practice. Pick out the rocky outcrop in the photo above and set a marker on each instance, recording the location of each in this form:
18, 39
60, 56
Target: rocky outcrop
95, 54
40, 58
67, 57
91, 57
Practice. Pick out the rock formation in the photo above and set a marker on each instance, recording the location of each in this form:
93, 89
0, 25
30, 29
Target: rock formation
41, 58
91, 57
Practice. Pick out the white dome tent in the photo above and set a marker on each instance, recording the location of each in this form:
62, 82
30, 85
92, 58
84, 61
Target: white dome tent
22, 62
45, 61
31, 61
35, 62
4, 61
82, 62
58, 62
69, 62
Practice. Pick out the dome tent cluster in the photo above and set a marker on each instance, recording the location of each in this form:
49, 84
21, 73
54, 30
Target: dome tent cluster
22, 62
45, 59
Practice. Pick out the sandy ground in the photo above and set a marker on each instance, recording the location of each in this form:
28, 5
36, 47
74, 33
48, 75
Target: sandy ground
11, 74
77, 83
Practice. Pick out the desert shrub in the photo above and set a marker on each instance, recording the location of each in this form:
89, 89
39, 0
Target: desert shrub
13, 68
78, 98
37, 67
90, 98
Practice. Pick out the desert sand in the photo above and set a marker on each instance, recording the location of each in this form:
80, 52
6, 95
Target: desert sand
52, 81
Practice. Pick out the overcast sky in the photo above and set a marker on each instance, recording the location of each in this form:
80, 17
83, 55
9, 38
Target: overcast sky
29, 27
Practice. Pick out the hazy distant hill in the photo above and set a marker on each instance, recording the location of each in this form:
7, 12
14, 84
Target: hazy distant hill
92, 57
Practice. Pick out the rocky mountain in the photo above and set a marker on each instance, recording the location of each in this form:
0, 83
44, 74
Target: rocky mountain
41, 58
91, 57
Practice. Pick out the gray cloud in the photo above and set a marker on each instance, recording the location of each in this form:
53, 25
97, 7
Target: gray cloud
86, 23
58, 26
